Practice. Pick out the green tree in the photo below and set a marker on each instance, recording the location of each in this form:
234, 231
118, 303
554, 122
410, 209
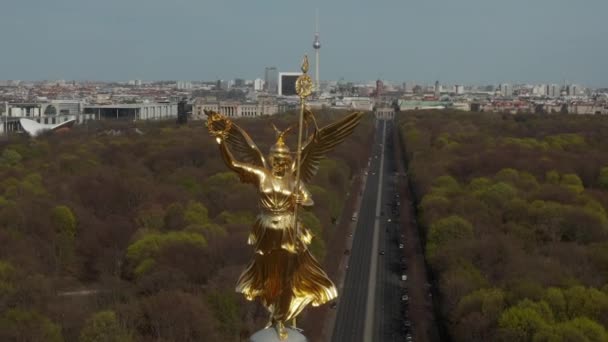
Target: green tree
10, 157
64, 222
556, 300
552, 177
446, 185
508, 175
572, 182
7, 286
602, 180
144, 251
22, 325
520, 324
446, 230
498, 194
104, 327
592, 330
225, 307
479, 184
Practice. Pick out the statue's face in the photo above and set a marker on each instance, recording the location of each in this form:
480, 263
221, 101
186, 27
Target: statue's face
279, 164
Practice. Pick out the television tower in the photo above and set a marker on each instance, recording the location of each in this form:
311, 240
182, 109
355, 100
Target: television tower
317, 46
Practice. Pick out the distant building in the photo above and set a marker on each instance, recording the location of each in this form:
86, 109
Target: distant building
506, 90
379, 88
573, 90
234, 109
183, 85
44, 109
287, 83
239, 82
437, 90
355, 103
405, 105
271, 80
459, 89
408, 87
133, 112
258, 84
384, 113
553, 90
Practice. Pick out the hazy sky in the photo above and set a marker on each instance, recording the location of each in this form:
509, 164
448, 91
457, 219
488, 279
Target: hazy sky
469, 41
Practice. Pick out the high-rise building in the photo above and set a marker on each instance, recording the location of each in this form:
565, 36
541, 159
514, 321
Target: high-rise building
572, 90
437, 89
287, 83
379, 88
239, 82
258, 84
540, 90
271, 78
182, 85
506, 90
459, 89
317, 46
553, 90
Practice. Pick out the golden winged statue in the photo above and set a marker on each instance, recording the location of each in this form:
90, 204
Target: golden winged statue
283, 274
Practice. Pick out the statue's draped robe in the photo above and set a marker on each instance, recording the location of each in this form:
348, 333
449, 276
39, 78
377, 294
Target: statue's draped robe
283, 273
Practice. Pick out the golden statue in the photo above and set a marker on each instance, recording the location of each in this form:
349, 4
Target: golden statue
283, 274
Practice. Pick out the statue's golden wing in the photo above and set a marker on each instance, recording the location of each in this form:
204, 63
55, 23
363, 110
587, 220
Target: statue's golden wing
240, 142
324, 140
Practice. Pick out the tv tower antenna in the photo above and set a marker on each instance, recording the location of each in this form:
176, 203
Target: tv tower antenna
317, 46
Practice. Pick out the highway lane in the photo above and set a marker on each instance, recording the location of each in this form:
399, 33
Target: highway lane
353, 301
389, 317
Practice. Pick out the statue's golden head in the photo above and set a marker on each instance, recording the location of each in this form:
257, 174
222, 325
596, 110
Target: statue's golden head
280, 155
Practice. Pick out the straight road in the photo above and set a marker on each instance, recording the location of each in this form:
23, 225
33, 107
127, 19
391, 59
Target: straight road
385, 295
357, 302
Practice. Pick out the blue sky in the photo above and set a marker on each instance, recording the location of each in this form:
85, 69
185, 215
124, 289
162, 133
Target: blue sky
468, 41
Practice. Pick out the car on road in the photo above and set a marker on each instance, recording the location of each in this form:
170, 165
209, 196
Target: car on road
403, 276
405, 298
333, 305
400, 246
409, 338
389, 220
354, 218
382, 252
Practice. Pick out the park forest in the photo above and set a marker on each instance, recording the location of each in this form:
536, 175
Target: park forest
137, 231
512, 209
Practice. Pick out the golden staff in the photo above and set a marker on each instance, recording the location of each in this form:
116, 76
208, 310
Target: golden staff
304, 89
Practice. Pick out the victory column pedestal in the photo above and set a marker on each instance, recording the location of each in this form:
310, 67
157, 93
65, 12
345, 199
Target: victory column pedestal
270, 335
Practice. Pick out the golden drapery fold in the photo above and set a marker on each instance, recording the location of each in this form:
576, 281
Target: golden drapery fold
283, 273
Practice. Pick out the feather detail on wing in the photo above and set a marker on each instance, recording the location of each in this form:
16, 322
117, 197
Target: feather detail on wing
241, 145
324, 140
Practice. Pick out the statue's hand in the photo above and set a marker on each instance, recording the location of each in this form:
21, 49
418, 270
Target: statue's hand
219, 126
303, 200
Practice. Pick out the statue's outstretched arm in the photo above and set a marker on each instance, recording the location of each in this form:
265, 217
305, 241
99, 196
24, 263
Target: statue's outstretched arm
248, 172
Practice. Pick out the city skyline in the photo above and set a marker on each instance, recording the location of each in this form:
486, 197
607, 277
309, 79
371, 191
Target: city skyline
469, 42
